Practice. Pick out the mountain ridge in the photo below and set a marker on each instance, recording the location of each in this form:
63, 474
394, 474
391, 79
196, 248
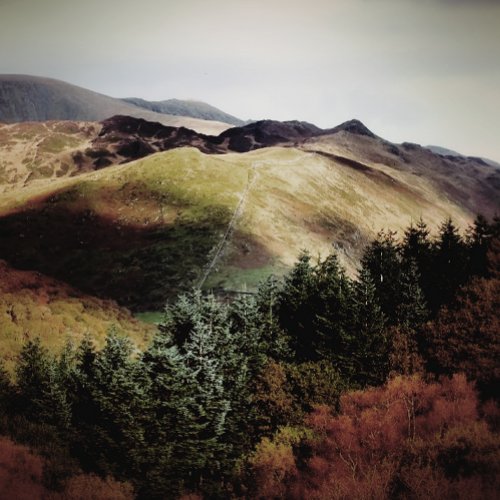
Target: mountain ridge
33, 98
179, 107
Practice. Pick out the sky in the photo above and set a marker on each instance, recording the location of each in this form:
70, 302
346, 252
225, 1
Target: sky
424, 71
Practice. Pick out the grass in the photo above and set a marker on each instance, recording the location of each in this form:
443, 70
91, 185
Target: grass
34, 305
144, 231
150, 317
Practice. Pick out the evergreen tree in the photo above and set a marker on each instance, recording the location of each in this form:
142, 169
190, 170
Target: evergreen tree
275, 341
417, 247
370, 348
43, 395
172, 428
450, 265
411, 310
111, 407
381, 260
331, 336
212, 406
32, 374
219, 347
295, 300
7, 390
411, 313
478, 242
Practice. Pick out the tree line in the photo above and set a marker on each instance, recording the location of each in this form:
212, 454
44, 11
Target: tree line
219, 379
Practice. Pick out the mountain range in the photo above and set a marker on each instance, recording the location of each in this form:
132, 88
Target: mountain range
134, 210
30, 98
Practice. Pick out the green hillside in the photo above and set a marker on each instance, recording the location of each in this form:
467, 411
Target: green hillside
33, 305
141, 232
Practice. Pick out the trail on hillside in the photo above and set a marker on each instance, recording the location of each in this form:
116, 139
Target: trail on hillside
252, 177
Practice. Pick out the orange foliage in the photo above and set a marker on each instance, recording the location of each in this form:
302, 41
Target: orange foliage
465, 337
91, 487
21, 478
407, 439
20, 472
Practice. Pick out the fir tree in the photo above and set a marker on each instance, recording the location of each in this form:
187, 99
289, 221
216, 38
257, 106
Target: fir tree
417, 247
295, 300
172, 428
450, 265
275, 341
381, 260
371, 346
331, 336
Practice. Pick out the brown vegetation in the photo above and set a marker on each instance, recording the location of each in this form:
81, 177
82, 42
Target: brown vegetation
22, 478
408, 439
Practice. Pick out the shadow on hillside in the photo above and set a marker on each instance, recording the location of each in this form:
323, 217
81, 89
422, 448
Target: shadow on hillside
139, 267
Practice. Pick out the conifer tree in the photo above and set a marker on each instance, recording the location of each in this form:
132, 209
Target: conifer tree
450, 265
212, 406
417, 247
295, 301
275, 341
32, 376
332, 337
172, 428
381, 260
371, 346
478, 243
411, 310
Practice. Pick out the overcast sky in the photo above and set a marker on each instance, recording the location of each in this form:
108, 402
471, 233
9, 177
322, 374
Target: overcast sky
425, 71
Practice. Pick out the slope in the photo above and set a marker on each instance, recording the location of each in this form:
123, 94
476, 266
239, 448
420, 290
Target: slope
178, 107
142, 231
31, 98
33, 304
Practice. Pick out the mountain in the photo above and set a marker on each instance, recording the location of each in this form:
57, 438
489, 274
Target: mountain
449, 153
30, 98
35, 150
177, 107
141, 230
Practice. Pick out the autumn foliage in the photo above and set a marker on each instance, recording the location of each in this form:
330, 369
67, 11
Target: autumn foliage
407, 439
22, 478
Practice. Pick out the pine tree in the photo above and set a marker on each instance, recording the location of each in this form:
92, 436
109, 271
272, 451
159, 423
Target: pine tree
381, 260
331, 336
411, 313
172, 429
32, 374
478, 243
111, 407
411, 310
295, 300
370, 348
450, 265
275, 341
417, 247
7, 390
203, 360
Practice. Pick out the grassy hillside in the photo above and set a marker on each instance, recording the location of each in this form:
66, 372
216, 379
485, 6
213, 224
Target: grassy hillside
34, 305
143, 231
41, 150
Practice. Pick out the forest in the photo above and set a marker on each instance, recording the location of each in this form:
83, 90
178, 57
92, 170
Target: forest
318, 386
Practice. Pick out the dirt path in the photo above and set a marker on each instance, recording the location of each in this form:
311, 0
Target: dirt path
252, 177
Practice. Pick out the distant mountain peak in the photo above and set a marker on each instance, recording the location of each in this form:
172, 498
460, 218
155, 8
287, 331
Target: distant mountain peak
190, 107
354, 127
